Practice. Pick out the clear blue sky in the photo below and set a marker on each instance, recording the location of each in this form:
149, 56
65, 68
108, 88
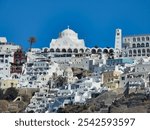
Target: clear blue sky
94, 20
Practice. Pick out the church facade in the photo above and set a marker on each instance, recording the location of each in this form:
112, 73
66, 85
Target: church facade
69, 45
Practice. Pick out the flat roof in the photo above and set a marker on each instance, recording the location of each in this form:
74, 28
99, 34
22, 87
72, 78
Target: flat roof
136, 35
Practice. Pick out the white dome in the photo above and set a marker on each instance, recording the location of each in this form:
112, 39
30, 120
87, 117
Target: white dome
68, 39
69, 33
68, 69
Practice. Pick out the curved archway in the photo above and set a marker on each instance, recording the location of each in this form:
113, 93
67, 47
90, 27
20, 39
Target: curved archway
134, 45
70, 50
105, 51
63, 50
15, 76
111, 51
143, 52
45, 50
143, 38
93, 51
75, 50
142, 45
81, 50
134, 39
57, 50
138, 45
130, 52
51, 50
87, 50
134, 52
147, 44
99, 51
147, 38
139, 52
148, 52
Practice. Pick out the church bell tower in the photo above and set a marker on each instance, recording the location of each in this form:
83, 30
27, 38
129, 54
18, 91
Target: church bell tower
118, 39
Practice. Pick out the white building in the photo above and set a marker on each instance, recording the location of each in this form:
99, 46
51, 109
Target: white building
118, 39
6, 57
136, 46
3, 40
67, 42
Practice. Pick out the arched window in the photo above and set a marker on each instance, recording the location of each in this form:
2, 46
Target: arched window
130, 51
87, 50
134, 46
93, 51
70, 50
111, 51
45, 50
147, 44
147, 38
138, 45
134, 39
75, 50
143, 38
51, 50
57, 50
63, 50
81, 50
142, 45
143, 50
99, 51
105, 51
148, 52
138, 39
139, 51
134, 52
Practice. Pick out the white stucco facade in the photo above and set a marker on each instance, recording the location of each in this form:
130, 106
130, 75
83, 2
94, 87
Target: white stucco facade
68, 39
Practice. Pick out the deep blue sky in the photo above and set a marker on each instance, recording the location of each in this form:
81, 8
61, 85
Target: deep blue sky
94, 20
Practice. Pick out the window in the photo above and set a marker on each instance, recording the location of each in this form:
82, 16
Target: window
143, 38
130, 51
134, 39
138, 39
123, 78
138, 45
134, 51
147, 38
125, 40
139, 51
134, 46
147, 44
6, 61
142, 45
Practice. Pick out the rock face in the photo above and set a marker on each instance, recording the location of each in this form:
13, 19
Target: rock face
134, 103
99, 104
113, 102
12, 107
3, 106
